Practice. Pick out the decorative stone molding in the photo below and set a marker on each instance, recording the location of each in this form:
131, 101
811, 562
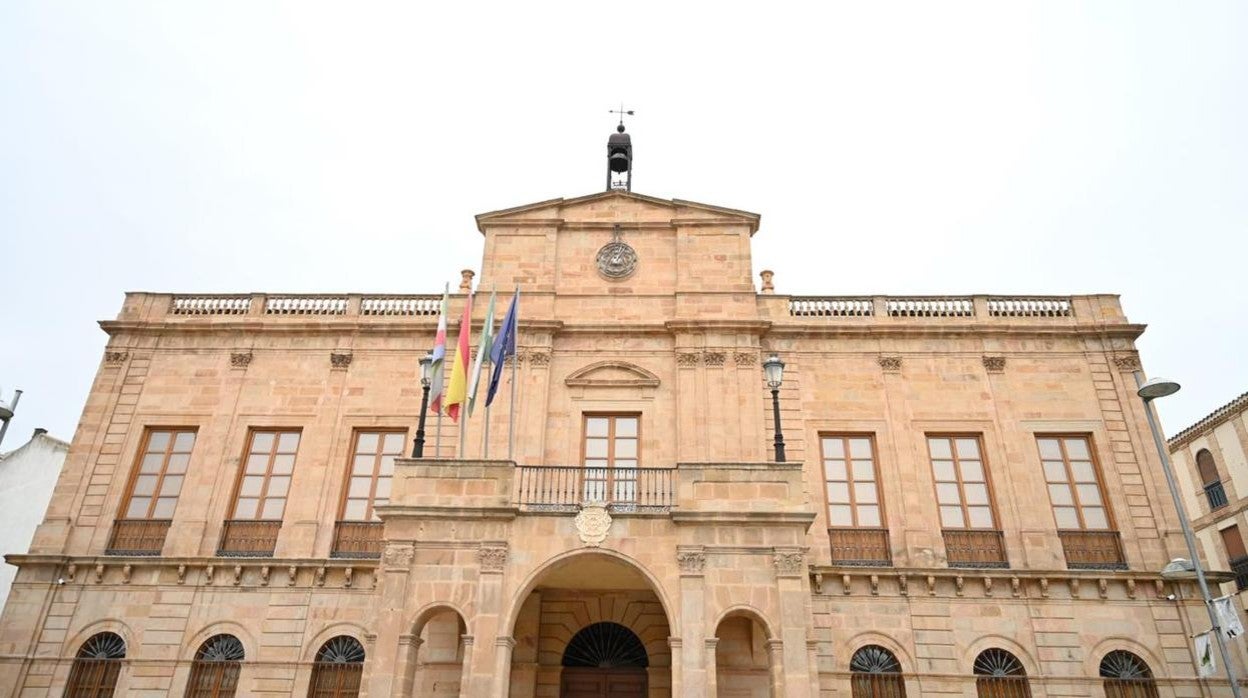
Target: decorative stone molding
492, 558
181, 574
746, 358
292, 575
789, 564
240, 359
113, 358
125, 573
319, 577
238, 575
713, 358
397, 556
1127, 363
612, 374
994, 364
99, 573
71, 571
688, 359
691, 561
816, 582
890, 364
340, 360
465, 280
537, 359
209, 575
903, 585
593, 523
264, 575
348, 576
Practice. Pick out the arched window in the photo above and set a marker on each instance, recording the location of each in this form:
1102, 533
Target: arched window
1214, 492
876, 674
1127, 676
337, 670
999, 674
97, 666
214, 673
606, 645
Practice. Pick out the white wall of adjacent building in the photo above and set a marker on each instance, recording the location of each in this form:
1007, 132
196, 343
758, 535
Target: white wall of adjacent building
27, 476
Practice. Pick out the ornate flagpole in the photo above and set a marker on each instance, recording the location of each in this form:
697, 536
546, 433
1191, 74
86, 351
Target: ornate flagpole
485, 438
515, 363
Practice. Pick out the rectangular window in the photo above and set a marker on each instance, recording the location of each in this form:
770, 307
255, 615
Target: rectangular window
159, 473
850, 481
264, 482
372, 467
1074, 488
612, 452
962, 489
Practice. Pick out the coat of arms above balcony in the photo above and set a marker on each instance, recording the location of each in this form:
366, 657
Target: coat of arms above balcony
593, 523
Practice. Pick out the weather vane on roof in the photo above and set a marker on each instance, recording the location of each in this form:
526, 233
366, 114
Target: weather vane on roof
620, 154
621, 111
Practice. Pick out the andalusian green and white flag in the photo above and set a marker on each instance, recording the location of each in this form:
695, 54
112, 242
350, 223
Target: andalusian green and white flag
483, 350
1204, 654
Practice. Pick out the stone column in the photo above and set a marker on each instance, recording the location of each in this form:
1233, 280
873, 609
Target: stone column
479, 672
812, 659
391, 674
692, 561
674, 643
712, 677
405, 665
502, 665
775, 656
788, 651
466, 679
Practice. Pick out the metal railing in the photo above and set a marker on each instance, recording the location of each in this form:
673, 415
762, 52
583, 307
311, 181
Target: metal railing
1216, 494
1092, 550
966, 547
860, 547
213, 679
90, 678
137, 537
247, 538
565, 488
357, 539
865, 685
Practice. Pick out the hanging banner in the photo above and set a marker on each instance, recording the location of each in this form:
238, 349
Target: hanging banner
1204, 655
1232, 627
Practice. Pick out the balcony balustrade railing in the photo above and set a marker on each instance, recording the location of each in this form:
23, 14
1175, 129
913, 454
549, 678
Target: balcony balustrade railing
860, 547
565, 488
137, 537
965, 547
357, 539
1093, 550
1240, 567
1216, 494
246, 538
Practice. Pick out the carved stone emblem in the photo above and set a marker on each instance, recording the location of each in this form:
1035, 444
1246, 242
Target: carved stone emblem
339, 360
492, 559
688, 359
890, 364
116, 357
691, 561
713, 358
746, 358
616, 259
789, 564
537, 358
240, 359
397, 556
994, 364
592, 523
1127, 362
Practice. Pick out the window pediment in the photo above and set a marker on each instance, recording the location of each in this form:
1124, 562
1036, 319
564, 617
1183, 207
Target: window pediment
612, 374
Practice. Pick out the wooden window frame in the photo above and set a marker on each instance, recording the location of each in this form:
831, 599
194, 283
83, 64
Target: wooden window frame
850, 481
140, 456
957, 471
611, 417
378, 454
268, 472
1112, 523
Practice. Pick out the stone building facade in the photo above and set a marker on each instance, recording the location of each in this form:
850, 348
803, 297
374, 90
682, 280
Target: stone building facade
1212, 469
969, 504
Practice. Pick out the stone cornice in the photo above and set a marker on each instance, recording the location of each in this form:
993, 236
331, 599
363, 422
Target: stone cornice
836, 580
945, 329
751, 518
1212, 421
449, 512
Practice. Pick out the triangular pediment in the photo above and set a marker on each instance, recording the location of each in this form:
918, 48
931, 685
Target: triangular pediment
612, 374
639, 206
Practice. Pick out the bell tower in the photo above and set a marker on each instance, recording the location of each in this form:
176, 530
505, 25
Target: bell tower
620, 157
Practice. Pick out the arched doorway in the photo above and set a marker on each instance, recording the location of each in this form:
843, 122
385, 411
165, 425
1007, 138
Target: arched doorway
742, 657
604, 659
440, 653
586, 615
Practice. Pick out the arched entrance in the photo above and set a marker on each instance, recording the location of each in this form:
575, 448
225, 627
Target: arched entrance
604, 660
590, 624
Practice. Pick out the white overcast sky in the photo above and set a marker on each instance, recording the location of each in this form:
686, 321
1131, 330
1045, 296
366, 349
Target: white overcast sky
934, 147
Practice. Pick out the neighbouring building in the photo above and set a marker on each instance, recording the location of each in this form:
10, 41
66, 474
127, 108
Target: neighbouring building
27, 476
970, 504
1210, 463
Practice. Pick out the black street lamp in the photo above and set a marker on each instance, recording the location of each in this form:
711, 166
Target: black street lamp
418, 448
773, 369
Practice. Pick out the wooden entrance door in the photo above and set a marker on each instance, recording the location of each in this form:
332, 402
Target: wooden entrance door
588, 682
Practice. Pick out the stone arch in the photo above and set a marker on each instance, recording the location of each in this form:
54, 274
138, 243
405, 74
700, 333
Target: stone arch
333, 630
226, 627
435, 662
1001, 642
512, 610
745, 653
1092, 660
433, 608
611, 374
109, 625
869, 637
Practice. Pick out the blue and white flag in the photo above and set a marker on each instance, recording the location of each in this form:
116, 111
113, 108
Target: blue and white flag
504, 346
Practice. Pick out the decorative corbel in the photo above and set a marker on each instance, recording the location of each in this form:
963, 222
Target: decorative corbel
958, 582
71, 571
1015, 586
209, 572
875, 585
1102, 586
987, 586
901, 585
292, 574
1073, 583
238, 575
320, 576
1130, 588
99, 573
845, 587
347, 574
1044, 587
817, 582
264, 575
931, 585
125, 573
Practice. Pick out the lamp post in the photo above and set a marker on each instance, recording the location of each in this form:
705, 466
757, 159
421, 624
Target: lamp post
773, 369
418, 446
6, 412
1160, 387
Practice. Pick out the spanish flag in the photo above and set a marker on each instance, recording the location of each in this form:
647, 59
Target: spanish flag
457, 391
